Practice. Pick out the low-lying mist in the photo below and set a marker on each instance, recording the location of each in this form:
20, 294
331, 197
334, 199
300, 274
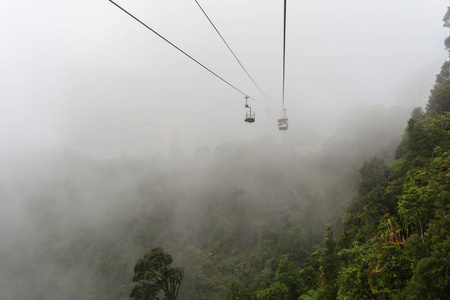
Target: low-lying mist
72, 227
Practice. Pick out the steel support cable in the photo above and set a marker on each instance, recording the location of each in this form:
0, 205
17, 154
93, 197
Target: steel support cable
284, 52
173, 45
229, 48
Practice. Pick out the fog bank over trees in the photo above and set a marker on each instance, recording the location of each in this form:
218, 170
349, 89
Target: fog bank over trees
78, 225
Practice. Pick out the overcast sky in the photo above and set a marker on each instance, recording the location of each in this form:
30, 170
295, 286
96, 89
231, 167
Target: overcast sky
66, 63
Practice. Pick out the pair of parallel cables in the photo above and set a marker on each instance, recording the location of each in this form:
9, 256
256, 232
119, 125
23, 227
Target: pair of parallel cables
209, 70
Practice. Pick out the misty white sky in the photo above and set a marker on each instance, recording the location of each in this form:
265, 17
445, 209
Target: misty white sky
71, 67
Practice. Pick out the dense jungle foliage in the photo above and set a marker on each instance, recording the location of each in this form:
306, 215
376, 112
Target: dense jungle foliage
395, 238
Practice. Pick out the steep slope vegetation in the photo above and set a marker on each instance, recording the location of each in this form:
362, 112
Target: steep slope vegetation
395, 242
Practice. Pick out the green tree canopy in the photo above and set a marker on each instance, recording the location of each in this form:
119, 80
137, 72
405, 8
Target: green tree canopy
444, 76
153, 273
440, 98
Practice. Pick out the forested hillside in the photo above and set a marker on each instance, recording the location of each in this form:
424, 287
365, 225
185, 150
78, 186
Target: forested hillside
395, 240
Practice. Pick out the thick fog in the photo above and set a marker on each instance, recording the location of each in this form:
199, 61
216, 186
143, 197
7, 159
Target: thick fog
77, 71
102, 123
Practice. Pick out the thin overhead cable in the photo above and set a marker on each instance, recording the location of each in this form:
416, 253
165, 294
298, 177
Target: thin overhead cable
231, 49
284, 51
146, 26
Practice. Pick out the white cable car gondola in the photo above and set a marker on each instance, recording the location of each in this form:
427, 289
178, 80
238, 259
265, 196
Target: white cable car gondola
283, 122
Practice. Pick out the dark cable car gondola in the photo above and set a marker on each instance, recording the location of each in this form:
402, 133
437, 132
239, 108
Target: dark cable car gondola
283, 122
250, 115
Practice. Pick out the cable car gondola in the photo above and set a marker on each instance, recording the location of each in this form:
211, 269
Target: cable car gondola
283, 124
250, 116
